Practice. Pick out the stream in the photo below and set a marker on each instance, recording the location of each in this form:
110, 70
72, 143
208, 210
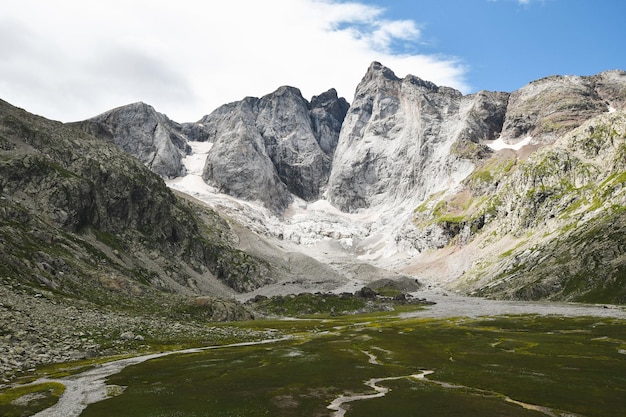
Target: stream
337, 403
339, 411
90, 386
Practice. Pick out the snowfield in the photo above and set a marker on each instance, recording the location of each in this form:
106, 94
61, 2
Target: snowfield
500, 144
364, 234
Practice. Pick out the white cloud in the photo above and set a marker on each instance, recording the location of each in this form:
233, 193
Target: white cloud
72, 59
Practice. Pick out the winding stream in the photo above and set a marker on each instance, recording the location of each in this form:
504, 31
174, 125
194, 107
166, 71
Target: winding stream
90, 386
337, 403
339, 411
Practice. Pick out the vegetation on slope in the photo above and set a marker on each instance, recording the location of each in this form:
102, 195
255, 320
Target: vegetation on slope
570, 195
83, 224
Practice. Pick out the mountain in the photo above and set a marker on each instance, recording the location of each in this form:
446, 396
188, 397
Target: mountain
82, 218
408, 138
473, 192
271, 148
144, 133
489, 193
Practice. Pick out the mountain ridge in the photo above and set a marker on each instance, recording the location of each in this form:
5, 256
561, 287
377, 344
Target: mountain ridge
412, 165
468, 126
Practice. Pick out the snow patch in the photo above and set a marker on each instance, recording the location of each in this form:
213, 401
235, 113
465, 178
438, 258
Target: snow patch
194, 163
499, 144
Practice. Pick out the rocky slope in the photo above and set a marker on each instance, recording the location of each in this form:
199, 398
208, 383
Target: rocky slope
566, 203
79, 210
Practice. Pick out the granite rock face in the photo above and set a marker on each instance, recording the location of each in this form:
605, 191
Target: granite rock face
270, 148
408, 138
144, 133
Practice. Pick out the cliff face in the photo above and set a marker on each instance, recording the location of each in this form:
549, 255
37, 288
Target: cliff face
270, 148
144, 133
408, 138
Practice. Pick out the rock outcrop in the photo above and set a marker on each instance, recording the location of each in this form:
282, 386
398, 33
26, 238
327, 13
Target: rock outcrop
144, 133
270, 148
550, 107
408, 138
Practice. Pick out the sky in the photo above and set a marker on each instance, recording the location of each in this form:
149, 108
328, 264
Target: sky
70, 60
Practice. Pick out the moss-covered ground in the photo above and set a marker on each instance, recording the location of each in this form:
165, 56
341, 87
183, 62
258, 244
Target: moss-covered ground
563, 366
26, 400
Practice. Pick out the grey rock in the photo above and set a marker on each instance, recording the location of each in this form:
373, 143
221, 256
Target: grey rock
407, 138
127, 335
550, 107
145, 134
270, 148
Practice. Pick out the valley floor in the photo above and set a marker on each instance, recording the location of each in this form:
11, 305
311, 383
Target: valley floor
517, 324
449, 305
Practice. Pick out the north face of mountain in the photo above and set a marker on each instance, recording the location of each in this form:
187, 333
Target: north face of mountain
417, 168
270, 148
141, 131
408, 138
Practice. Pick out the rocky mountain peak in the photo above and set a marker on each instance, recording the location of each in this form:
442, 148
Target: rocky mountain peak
396, 141
144, 133
270, 148
378, 73
378, 70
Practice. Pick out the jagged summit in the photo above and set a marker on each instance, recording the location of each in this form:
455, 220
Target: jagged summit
376, 70
271, 148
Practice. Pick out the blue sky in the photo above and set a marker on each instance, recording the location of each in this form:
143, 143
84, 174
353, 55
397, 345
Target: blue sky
72, 59
508, 43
